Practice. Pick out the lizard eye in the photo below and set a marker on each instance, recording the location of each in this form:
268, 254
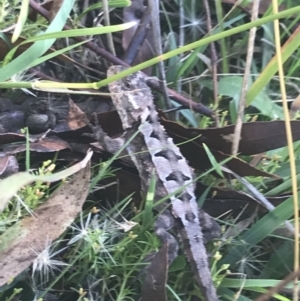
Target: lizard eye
127, 84
139, 13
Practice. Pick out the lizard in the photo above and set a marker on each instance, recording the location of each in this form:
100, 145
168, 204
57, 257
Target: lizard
154, 153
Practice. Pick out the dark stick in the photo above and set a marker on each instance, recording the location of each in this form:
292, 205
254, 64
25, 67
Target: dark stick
214, 58
138, 38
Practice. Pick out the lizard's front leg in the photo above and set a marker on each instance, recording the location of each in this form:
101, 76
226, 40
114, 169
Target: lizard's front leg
162, 225
111, 145
210, 228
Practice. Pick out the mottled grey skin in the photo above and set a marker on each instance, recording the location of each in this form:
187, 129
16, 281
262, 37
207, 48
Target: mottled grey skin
154, 153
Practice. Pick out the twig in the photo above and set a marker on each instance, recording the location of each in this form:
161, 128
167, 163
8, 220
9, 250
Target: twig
242, 102
154, 8
272, 291
186, 102
214, 59
138, 38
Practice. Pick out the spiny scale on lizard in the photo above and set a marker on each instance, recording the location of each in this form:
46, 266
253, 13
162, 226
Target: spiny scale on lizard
153, 152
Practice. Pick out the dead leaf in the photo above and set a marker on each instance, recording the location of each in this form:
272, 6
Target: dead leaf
257, 137
73, 120
197, 158
220, 201
8, 166
154, 287
10, 185
33, 233
45, 145
73, 112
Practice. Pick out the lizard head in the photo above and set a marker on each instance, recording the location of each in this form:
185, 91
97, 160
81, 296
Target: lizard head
130, 95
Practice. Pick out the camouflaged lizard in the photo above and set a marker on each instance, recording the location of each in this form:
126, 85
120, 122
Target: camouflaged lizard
153, 152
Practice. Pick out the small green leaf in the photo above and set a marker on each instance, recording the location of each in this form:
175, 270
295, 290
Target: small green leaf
213, 160
21, 20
